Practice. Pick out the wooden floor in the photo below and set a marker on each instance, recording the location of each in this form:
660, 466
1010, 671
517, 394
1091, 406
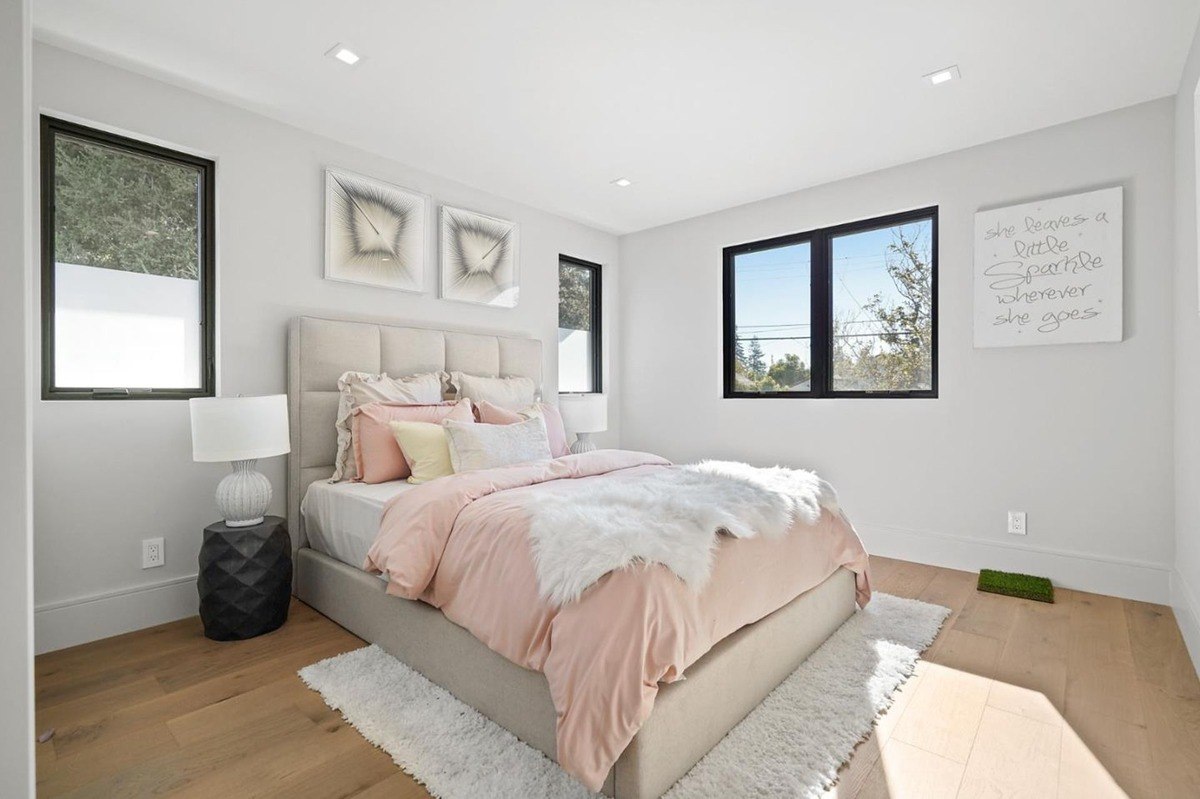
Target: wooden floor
1015, 698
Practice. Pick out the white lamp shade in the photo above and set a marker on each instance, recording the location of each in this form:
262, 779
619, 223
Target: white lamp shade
239, 428
584, 413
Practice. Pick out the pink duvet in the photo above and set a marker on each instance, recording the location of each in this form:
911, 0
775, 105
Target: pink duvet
461, 544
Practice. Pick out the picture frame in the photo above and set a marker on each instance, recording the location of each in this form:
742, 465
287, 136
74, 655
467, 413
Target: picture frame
480, 258
376, 233
1051, 271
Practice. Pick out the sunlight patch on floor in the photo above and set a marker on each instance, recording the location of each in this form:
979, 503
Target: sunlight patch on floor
951, 733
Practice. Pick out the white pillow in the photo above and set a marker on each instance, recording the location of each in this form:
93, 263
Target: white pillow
513, 393
488, 446
363, 388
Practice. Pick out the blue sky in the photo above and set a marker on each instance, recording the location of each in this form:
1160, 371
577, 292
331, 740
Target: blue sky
772, 288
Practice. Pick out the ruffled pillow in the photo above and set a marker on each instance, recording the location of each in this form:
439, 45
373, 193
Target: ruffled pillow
362, 388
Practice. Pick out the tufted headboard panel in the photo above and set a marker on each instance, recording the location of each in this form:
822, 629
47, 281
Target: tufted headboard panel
320, 350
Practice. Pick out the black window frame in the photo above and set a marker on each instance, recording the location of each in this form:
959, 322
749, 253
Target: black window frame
821, 311
51, 127
597, 309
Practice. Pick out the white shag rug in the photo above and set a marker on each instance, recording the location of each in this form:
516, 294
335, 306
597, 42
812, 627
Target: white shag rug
789, 746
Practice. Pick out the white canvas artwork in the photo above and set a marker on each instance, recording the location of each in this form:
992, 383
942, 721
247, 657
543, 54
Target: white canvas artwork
1050, 271
479, 258
375, 232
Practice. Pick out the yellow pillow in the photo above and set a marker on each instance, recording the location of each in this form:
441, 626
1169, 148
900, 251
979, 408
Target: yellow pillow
425, 449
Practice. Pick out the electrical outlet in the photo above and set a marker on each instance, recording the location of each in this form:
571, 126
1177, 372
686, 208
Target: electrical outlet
152, 553
1016, 522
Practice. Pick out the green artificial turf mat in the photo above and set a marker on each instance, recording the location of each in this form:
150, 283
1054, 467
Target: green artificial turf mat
1025, 586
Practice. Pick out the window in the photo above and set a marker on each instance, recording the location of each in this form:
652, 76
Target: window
579, 364
848, 311
127, 268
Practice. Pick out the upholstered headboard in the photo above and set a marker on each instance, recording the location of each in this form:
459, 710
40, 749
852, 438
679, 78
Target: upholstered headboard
320, 350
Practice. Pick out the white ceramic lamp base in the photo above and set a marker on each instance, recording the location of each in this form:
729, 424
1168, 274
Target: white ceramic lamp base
583, 443
244, 495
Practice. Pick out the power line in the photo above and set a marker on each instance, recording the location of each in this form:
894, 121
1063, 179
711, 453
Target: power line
789, 325
835, 336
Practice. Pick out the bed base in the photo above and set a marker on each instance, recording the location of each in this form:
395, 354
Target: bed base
689, 717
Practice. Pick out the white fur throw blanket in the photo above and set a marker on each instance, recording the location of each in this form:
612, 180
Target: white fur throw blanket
672, 517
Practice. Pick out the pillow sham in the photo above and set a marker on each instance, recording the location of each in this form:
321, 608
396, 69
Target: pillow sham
513, 393
425, 450
489, 446
361, 388
377, 455
556, 433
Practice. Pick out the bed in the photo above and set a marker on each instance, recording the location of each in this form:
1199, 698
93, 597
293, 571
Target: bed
721, 687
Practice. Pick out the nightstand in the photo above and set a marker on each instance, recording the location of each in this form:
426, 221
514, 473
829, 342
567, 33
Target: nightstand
245, 579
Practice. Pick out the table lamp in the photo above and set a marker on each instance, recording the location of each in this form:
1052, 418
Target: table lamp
583, 414
240, 430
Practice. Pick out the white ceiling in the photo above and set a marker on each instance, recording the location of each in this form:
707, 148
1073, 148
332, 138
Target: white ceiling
704, 104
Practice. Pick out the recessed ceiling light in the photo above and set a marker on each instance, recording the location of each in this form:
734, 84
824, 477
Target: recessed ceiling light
943, 76
622, 182
343, 54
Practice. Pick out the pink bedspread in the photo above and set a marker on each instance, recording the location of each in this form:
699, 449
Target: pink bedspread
461, 544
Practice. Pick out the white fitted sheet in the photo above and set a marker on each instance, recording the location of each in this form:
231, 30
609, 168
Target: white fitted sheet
342, 519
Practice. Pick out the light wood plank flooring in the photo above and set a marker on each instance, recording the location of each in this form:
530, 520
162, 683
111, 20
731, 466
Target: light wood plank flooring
1083, 698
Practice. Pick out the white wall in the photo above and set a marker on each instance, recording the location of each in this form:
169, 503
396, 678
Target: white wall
1078, 436
1186, 579
108, 474
16, 592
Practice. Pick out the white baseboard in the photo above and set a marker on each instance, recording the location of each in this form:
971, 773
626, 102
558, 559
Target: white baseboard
90, 618
1187, 614
69, 622
1130, 579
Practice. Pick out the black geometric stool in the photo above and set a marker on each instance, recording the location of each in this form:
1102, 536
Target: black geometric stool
245, 579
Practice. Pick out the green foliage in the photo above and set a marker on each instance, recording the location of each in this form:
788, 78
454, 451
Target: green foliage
741, 374
752, 374
900, 356
119, 210
788, 371
756, 362
767, 385
574, 297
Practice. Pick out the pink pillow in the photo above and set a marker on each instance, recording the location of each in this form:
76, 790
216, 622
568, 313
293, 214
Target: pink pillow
494, 414
376, 452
